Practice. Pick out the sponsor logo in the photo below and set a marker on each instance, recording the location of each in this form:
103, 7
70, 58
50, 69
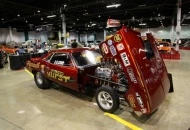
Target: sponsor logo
120, 47
117, 38
58, 75
110, 42
144, 110
125, 59
42, 69
59, 62
131, 75
113, 50
131, 100
105, 49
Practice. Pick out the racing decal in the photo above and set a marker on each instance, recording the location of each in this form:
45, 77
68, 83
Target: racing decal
117, 38
131, 75
34, 65
58, 75
131, 100
105, 49
144, 110
120, 47
139, 99
125, 59
113, 50
110, 42
42, 69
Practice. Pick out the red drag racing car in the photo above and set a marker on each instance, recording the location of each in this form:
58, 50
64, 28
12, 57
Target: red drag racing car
129, 68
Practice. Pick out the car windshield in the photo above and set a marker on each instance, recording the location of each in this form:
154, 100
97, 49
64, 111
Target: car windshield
164, 44
86, 57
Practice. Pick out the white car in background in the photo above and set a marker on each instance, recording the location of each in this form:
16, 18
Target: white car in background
28, 43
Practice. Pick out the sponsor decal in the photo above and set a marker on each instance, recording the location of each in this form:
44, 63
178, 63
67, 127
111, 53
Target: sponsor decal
144, 110
139, 100
125, 59
110, 42
105, 49
57, 62
34, 65
131, 75
117, 38
113, 23
58, 75
113, 50
131, 100
42, 69
120, 46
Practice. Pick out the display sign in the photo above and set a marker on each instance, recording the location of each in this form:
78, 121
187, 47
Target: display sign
113, 23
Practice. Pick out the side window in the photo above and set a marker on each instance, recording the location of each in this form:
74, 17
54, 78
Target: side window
48, 58
148, 49
62, 59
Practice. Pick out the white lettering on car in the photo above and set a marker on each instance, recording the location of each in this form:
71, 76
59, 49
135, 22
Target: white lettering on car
125, 59
131, 75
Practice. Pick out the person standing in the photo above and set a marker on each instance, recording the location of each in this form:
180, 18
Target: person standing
74, 44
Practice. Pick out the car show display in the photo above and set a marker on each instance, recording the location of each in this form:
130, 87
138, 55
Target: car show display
126, 63
94, 64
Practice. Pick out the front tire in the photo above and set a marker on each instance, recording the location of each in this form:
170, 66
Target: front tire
41, 81
107, 99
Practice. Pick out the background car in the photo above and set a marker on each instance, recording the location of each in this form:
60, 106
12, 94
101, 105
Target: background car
8, 49
164, 47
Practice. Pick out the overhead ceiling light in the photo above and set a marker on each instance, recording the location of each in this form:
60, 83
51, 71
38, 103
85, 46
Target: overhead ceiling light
93, 24
38, 11
18, 15
90, 22
2, 19
142, 24
142, 5
159, 14
26, 21
77, 19
51, 16
99, 16
85, 13
113, 5
42, 18
185, 24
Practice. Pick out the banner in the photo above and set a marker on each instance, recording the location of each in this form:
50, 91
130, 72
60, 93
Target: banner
113, 23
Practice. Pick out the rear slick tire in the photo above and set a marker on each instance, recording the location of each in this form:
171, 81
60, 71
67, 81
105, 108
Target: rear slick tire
41, 81
107, 99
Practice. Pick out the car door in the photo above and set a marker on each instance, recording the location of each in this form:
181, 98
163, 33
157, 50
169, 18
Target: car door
60, 69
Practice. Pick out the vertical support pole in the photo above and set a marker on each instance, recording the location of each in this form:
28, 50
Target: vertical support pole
172, 32
64, 29
178, 27
26, 35
95, 38
86, 39
104, 34
79, 40
10, 33
59, 34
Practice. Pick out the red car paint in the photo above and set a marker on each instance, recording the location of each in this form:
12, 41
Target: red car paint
140, 60
149, 83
